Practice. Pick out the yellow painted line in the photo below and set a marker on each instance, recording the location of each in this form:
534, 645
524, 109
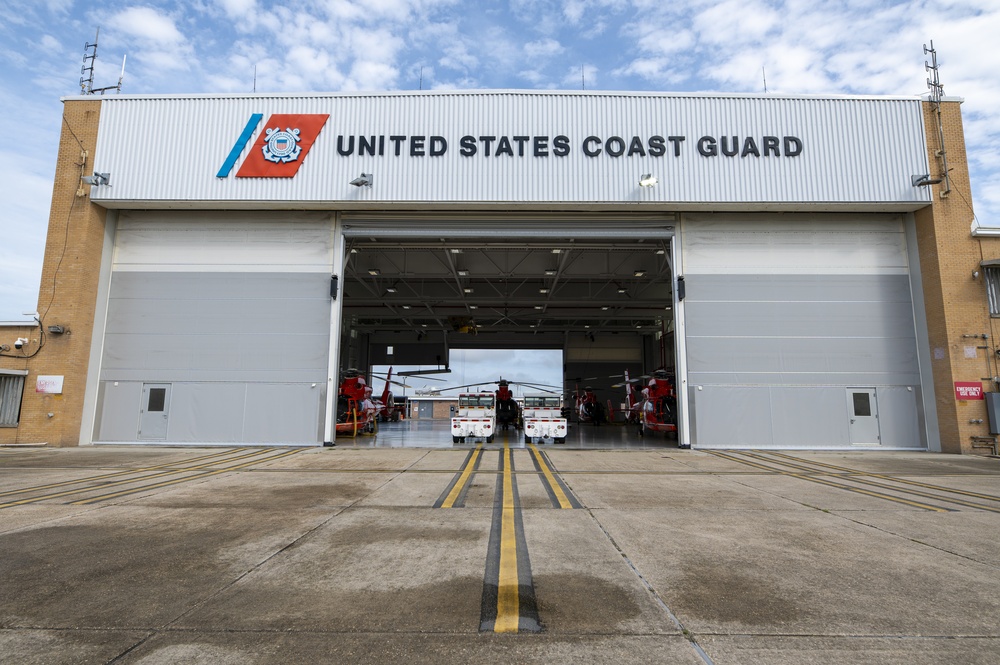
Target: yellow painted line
142, 469
452, 497
508, 609
176, 481
879, 495
564, 503
126, 481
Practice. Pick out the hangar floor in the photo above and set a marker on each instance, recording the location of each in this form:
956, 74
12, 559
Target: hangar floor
437, 434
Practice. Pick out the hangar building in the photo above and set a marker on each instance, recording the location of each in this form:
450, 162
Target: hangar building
804, 266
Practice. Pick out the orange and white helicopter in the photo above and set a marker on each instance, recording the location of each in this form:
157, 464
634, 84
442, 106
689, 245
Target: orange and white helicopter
588, 408
387, 409
659, 404
356, 409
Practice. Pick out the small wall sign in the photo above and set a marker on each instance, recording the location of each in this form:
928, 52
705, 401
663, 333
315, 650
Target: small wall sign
49, 384
965, 390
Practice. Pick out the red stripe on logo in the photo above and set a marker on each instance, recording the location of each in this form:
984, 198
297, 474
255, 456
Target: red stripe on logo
257, 165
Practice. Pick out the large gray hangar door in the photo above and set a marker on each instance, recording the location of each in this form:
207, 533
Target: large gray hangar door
233, 312
783, 315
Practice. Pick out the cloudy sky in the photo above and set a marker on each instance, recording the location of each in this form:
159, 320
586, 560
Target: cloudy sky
182, 46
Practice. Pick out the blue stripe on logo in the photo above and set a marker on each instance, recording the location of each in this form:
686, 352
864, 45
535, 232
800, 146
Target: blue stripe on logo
241, 143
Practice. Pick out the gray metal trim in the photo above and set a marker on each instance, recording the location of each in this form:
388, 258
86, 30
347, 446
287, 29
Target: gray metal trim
91, 402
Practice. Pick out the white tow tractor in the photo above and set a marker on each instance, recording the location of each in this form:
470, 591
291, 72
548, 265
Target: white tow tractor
543, 419
474, 418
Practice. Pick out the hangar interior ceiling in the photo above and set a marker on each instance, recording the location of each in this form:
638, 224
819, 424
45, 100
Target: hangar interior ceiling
501, 291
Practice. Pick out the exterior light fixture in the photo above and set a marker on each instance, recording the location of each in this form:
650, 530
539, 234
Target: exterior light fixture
543, 290
455, 250
97, 179
622, 289
364, 180
661, 252
406, 307
374, 272
557, 251
550, 273
639, 273
468, 289
391, 289
924, 180
473, 306
647, 180
463, 273
605, 308
538, 307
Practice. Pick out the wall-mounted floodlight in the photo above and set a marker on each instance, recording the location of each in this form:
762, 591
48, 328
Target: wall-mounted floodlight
647, 180
374, 272
97, 179
639, 273
364, 180
924, 180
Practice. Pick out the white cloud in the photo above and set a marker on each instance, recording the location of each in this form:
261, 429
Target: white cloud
148, 24
545, 48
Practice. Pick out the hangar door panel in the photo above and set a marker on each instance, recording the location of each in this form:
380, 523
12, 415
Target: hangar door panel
783, 315
233, 313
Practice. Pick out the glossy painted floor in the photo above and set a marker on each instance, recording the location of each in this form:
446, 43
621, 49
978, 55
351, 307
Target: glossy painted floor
437, 434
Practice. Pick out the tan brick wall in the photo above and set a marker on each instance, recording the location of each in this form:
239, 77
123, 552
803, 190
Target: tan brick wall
955, 301
68, 291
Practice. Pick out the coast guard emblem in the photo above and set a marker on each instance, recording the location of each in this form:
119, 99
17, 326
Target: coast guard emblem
281, 147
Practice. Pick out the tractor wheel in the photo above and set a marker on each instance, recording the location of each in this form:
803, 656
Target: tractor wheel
456, 439
489, 439
527, 439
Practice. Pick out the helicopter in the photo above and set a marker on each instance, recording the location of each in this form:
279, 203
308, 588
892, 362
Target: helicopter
588, 408
659, 405
387, 409
355, 409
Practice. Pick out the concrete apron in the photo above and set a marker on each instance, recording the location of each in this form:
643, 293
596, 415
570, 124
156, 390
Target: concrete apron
417, 555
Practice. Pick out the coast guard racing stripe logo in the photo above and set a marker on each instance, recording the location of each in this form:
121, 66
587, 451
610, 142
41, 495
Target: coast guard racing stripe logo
279, 150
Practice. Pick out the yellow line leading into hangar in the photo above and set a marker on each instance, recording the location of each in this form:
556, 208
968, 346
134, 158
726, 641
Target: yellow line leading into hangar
175, 481
800, 476
508, 608
564, 503
456, 491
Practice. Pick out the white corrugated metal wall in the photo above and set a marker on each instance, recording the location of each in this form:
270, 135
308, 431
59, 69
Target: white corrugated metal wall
167, 149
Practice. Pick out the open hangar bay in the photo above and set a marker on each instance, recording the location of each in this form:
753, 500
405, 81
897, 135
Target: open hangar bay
598, 291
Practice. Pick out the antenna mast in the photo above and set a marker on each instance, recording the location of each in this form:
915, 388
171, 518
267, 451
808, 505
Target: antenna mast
937, 92
87, 71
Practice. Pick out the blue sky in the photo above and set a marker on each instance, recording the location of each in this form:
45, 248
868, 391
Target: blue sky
801, 46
